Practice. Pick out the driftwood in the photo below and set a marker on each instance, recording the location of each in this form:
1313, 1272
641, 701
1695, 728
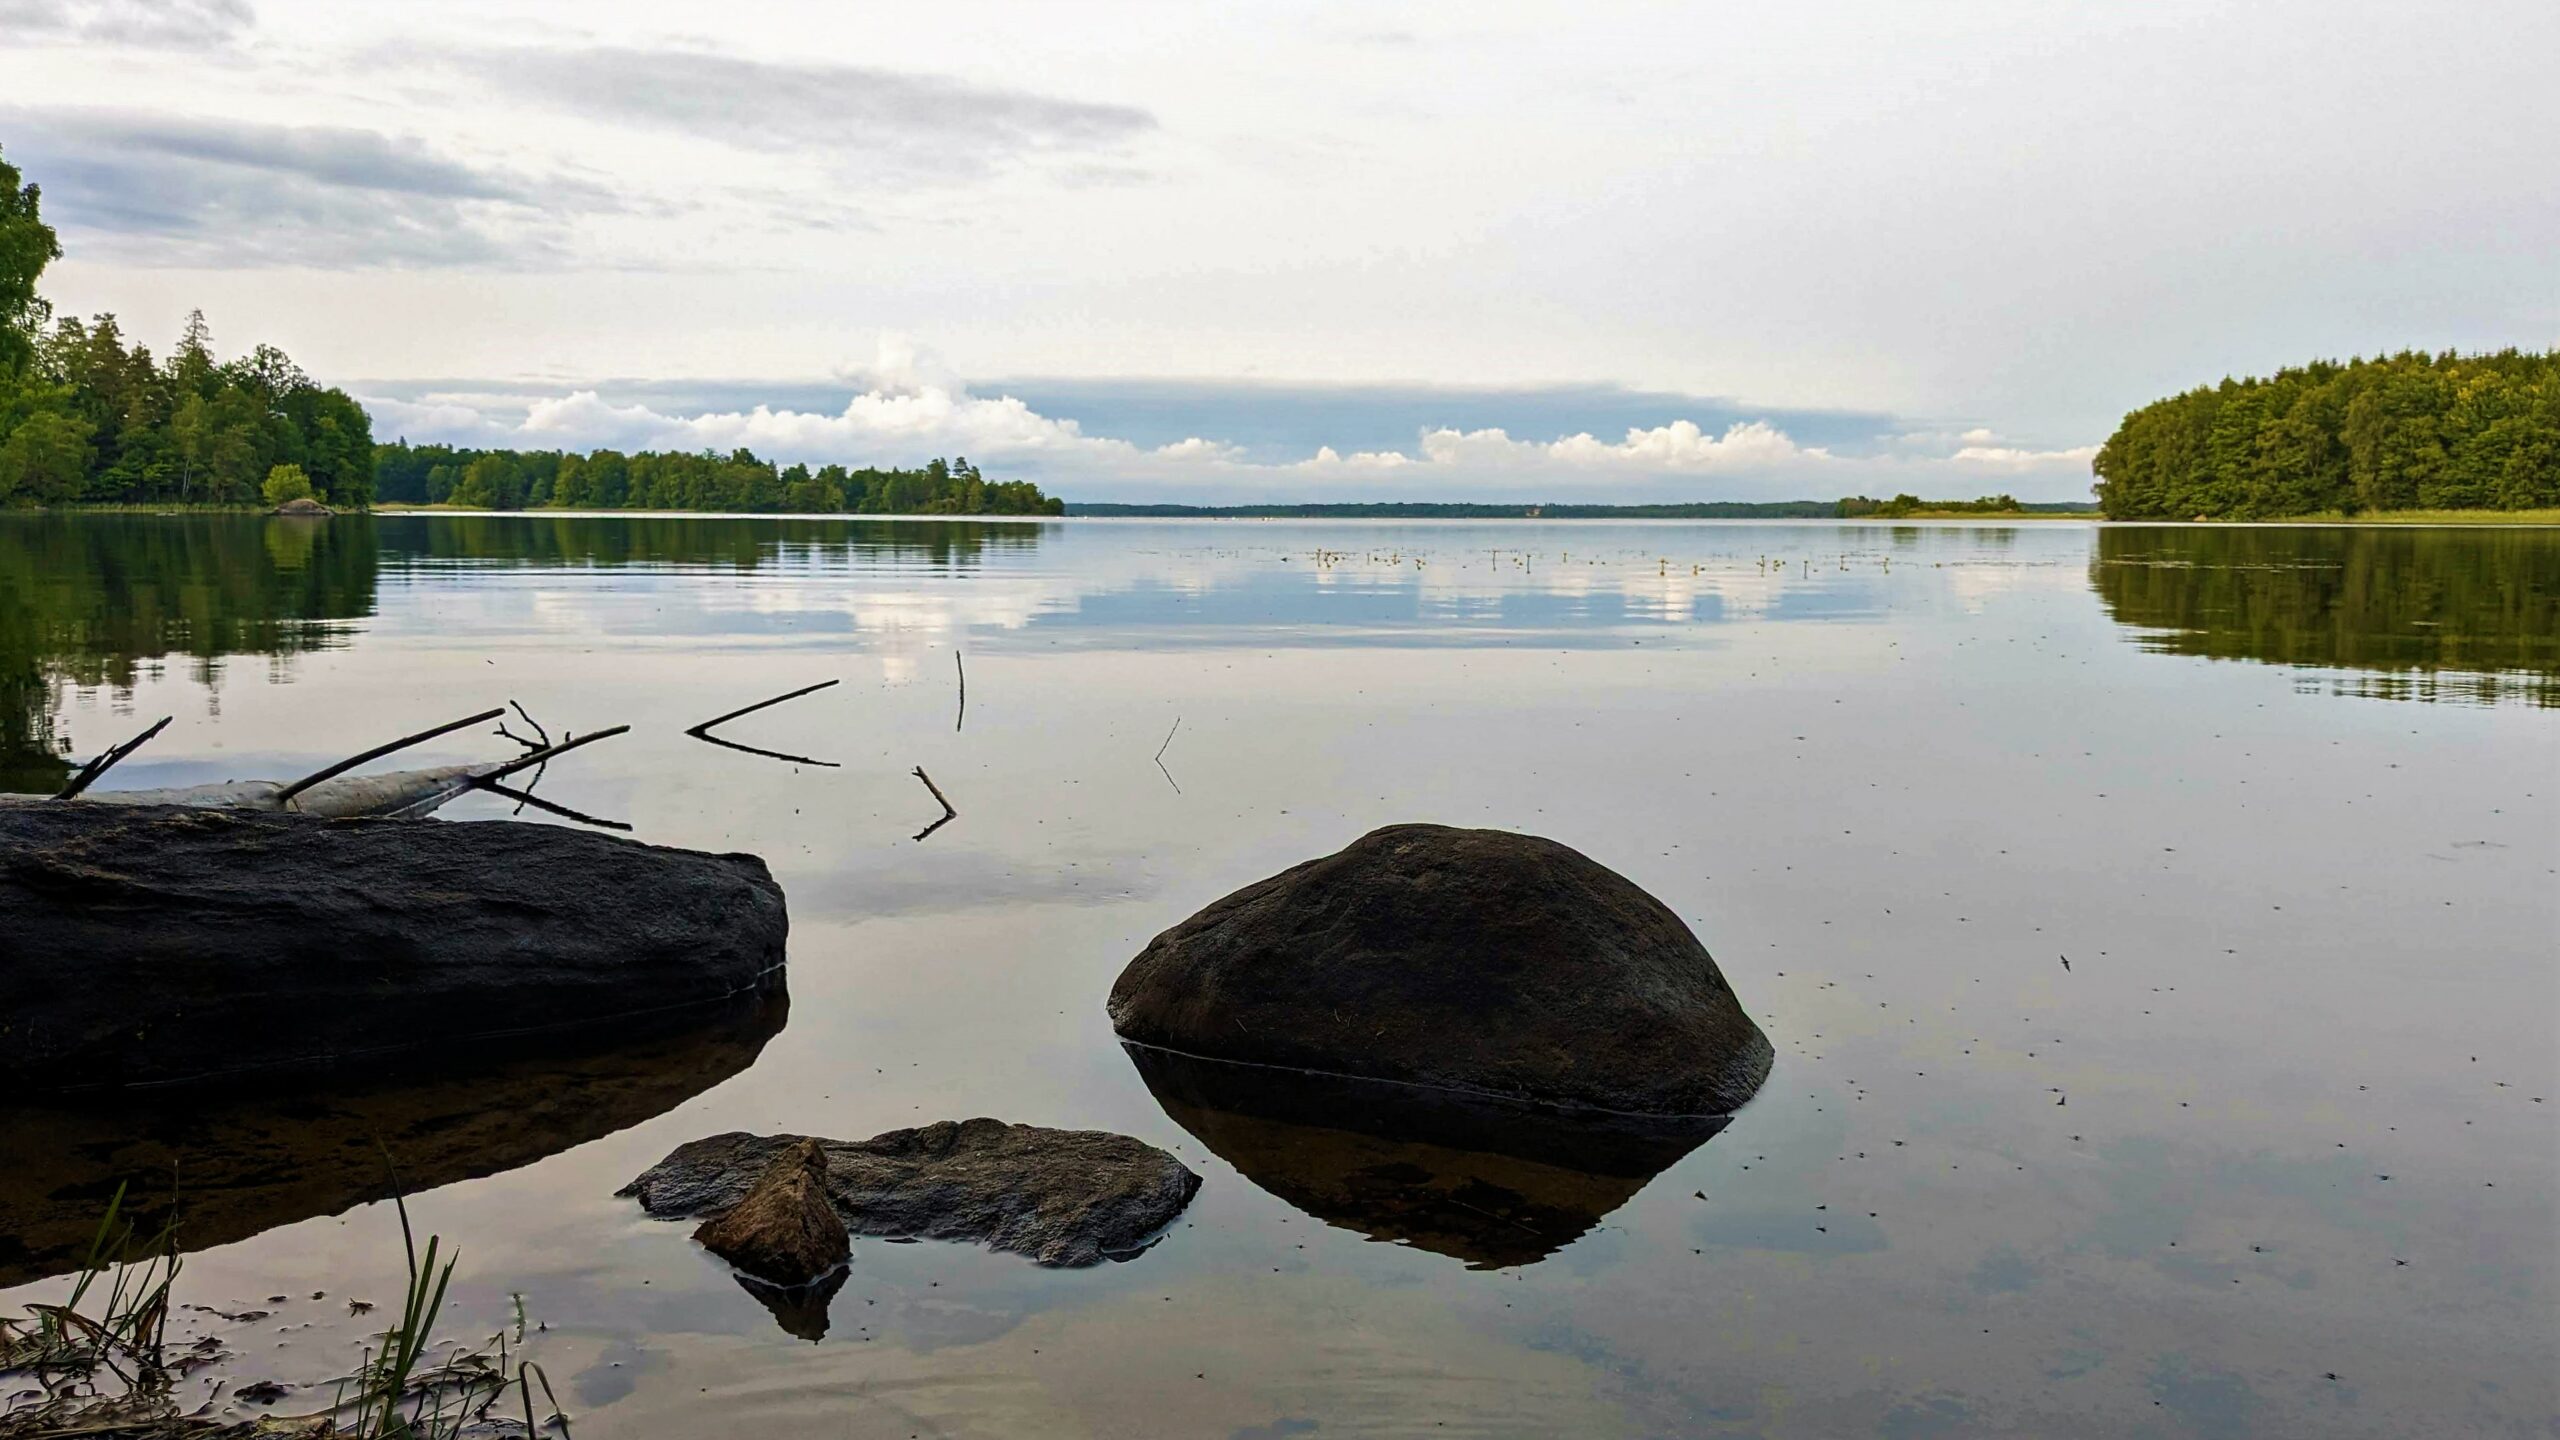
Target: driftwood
962, 719
703, 730
332, 794
948, 814
101, 765
285, 796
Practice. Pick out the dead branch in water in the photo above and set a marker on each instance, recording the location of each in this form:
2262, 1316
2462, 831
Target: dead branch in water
1168, 744
543, 737
539, 756
527, 797
948, 814
285, 796
963, 717
103, 763
703, 731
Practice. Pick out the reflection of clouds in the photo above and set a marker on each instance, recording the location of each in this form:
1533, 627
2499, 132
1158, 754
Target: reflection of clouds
1115, 585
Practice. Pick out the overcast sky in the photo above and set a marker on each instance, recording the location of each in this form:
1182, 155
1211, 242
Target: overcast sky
1171, 250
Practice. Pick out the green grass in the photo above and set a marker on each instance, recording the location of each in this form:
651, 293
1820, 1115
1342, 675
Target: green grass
116, 1321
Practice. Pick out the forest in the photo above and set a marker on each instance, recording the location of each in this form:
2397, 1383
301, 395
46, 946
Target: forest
677, 480
90, 417
2399, 432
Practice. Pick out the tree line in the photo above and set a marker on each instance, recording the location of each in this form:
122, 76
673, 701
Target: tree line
680, 480
88, 416
2398, 432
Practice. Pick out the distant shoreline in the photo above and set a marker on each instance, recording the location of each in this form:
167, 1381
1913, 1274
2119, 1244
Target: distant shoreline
2543, 518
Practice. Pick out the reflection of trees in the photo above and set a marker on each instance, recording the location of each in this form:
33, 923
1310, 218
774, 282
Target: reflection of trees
90, 600
743, 544
2469, 614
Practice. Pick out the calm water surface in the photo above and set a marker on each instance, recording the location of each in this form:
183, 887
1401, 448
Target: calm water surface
2275, 1156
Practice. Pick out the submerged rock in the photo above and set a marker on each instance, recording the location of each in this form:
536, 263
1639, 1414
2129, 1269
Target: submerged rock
1483, 1181
1062, 1197
146, 945
785, 1231
1475, 960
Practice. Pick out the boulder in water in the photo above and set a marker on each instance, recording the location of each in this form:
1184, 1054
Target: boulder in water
154, 944
1473, 960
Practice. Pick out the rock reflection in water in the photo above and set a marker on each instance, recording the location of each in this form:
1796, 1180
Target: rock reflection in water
248, 1164
1491, 1184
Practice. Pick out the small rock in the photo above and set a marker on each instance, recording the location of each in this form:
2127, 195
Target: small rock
785, 1230
1062, 1197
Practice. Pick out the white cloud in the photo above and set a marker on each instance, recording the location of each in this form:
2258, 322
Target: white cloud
145, 23
2012, 457
1680, 447
911, 407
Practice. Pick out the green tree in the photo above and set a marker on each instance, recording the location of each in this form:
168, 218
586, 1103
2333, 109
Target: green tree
286, 482
27, 245
45, 457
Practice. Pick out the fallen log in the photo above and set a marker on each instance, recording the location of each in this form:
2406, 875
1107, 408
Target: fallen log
331, 795
147, 945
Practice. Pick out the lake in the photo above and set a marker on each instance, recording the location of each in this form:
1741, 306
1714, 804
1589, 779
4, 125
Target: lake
2273, 1156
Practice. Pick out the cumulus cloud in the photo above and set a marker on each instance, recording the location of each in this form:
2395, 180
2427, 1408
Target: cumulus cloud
906, 406
2012, 457
887, 123
1681, 447
156, 24
184, 190
912, 409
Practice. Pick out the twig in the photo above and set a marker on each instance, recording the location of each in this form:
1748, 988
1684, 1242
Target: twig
963, 717
530, 722
527, 797
103, 763
703, 730
538, 756
378, 751
948, 813
697, 730
1168, 743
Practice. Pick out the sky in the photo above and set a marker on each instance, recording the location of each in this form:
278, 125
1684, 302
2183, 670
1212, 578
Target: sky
1305, 251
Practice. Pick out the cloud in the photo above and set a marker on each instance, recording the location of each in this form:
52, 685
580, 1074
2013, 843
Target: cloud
886, 123
154, 24
182, 190
911, 410
1681, 447
906, 407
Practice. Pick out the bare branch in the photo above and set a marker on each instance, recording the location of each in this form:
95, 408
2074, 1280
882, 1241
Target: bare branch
377, 752
103, 763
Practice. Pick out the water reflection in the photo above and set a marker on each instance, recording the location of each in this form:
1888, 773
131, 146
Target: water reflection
93, 601
2427, 614
1492, 1185
741, 542
243, 1165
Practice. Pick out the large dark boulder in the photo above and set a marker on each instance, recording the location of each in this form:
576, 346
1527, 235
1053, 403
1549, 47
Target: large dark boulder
1474, 960
1062, 1197
148, 944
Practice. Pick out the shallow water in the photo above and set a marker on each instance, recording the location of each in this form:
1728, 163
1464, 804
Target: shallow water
2274, 1156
